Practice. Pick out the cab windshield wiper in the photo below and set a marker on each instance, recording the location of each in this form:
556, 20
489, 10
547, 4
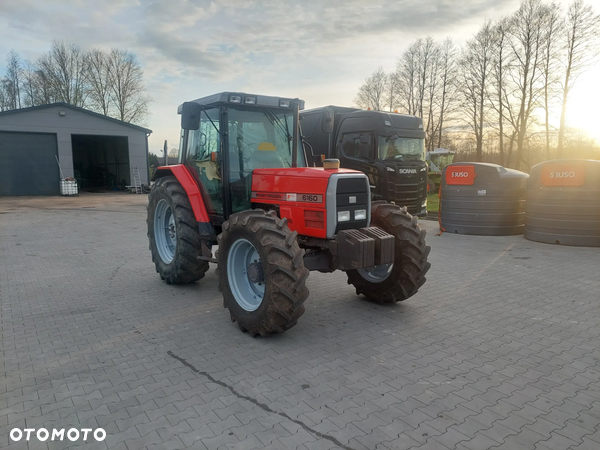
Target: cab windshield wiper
276, 121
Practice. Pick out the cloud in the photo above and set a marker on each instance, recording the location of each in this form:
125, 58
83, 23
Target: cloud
316, 50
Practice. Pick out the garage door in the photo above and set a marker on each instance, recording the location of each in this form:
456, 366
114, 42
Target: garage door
27, 164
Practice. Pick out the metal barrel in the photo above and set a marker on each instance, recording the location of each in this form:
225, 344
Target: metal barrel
482, 199
563, 203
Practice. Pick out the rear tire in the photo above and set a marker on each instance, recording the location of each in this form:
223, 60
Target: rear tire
401, 280
261, 272
173, 233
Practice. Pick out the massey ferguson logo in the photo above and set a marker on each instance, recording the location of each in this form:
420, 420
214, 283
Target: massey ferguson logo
407, 171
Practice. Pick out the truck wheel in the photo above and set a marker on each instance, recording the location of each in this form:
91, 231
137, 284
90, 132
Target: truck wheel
261, 272
173, 234
395, 282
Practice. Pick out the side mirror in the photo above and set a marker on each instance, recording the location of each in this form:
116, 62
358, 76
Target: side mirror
190, 116
327, 121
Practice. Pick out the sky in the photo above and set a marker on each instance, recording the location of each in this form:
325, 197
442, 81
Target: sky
319, 51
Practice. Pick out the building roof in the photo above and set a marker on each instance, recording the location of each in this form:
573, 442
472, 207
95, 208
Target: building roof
77, 108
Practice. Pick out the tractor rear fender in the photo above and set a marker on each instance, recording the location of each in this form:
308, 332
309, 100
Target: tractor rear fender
190, 185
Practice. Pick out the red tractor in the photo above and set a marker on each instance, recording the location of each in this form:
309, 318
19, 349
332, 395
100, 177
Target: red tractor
242, 184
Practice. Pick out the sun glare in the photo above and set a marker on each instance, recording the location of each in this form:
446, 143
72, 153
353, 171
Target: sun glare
583, 108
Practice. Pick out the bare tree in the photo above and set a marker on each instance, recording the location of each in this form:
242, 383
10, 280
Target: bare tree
432, 80
128, 93
4, 97
424, 79
498, 95
37, 88
30, 93
476, 64
64, 67
414, 69
372, 94
551, 28
526, 42
447, 86
99, 81
582, 47
407, 74
14, 73
507, 81
392, 87
427, 61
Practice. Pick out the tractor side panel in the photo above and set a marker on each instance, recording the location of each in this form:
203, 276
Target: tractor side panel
190, 185
301, 199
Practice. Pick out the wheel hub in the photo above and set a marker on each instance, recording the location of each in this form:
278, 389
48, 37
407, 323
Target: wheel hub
245, 275
171, 229
256, 273
165, 231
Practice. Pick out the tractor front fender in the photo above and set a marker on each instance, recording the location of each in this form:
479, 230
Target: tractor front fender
189, 185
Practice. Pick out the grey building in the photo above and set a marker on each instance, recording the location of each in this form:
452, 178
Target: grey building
99, 151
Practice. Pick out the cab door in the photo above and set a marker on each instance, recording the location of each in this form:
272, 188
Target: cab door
357, 151
204, 157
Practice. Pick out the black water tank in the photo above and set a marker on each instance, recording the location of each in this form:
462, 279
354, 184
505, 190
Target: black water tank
563, 203
483, 199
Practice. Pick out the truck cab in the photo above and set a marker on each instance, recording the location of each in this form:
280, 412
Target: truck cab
388, 147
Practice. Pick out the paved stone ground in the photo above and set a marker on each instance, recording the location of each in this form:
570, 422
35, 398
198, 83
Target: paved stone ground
499, 350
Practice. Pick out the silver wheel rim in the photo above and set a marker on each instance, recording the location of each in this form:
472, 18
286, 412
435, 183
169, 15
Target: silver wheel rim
247, 293
165, 231
376, 274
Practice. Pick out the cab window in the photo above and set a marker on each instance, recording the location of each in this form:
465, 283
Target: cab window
358, 146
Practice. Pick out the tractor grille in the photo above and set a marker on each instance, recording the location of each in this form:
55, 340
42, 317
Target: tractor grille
352, 195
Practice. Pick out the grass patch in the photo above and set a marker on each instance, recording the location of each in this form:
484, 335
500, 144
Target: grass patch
433, 202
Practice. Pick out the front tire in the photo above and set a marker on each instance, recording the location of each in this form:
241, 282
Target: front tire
395, 282
173, 233
261, 272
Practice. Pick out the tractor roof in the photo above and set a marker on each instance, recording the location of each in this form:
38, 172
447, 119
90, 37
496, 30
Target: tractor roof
241, 98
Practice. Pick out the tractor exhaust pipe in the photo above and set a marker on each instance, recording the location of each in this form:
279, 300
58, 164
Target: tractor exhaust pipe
296, 113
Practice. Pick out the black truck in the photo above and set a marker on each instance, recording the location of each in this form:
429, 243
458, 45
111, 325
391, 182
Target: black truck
388, 147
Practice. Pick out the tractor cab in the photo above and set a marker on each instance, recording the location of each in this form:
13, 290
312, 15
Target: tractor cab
225, 137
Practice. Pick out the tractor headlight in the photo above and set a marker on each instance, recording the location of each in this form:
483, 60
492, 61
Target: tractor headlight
360, 214
343, 216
